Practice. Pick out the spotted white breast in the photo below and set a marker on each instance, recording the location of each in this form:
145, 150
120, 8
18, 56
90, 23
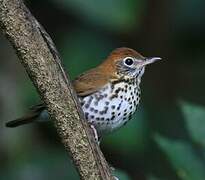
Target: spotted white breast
112, 106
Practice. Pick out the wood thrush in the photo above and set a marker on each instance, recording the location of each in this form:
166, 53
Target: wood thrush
109, 93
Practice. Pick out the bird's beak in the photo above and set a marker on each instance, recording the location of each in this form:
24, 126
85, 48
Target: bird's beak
149, 60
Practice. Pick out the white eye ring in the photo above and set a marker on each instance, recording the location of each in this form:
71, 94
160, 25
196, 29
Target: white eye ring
128, 61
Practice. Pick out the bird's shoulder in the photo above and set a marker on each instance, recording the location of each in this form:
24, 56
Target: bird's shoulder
90, 82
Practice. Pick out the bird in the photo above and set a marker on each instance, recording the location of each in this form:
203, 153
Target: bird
108, 94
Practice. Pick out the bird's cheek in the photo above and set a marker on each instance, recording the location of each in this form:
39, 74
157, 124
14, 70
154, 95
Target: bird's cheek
141, 72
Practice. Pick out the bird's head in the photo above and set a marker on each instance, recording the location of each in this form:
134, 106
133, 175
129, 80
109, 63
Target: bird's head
126, 62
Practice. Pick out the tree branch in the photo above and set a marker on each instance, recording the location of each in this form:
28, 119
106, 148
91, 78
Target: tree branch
40, 58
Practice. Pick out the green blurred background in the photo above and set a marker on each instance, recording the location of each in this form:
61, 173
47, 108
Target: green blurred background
166, 138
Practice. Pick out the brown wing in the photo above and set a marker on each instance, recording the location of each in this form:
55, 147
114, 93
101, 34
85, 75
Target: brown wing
90, 82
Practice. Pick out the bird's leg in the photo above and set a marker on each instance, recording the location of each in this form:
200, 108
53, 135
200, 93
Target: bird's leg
97, 139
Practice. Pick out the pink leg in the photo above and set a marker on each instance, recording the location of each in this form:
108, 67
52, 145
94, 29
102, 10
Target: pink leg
95, 133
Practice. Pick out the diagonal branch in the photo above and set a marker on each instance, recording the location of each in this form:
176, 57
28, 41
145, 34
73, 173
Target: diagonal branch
40, 58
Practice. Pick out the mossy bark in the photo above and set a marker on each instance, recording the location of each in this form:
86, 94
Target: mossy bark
40, 58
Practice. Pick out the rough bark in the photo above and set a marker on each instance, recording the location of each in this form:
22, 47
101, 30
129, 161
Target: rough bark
40, 58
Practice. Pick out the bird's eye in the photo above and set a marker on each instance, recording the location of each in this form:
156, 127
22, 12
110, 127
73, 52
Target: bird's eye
128, 61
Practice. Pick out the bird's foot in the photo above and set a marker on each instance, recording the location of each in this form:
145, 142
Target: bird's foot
95, 134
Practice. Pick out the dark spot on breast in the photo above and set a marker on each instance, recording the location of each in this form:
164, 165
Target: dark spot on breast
82, 103
125, 123
91, 109
107, 102
90, 99
118, 108
117, 90
101, 96
87, 106
86, 115
104, 111
106, 108
113, 117
96, 102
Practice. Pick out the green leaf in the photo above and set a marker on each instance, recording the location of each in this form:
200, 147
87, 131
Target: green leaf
113, 14
195, 121
183, 158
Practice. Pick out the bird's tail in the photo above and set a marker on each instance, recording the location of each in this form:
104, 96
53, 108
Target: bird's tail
23, 120
31, 116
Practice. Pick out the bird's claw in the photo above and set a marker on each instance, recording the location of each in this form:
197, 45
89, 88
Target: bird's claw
95, 133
